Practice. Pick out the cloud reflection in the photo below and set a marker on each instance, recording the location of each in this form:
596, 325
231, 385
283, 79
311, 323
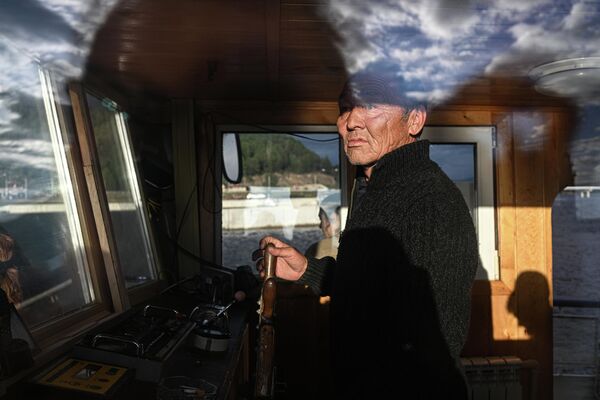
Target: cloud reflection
443, 43
56, 35
26, 153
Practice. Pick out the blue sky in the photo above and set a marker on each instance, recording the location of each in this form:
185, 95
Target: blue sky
329, 149
457, 160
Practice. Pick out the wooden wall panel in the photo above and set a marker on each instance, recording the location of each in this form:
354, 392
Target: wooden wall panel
514, 315
300, 12
270, 113
272, 21
459, 117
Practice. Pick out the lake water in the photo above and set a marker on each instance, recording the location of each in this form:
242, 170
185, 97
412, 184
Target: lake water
238, 245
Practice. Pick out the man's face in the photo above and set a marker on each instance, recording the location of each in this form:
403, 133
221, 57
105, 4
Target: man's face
371, 132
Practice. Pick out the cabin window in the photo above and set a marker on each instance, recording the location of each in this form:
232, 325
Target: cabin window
466, 155
128, 217
290, 189
44, 267
575, 255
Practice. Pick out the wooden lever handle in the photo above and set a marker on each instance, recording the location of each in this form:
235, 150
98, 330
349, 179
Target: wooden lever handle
270, 263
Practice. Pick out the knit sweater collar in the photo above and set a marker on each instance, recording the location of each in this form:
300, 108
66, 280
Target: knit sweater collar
400, 162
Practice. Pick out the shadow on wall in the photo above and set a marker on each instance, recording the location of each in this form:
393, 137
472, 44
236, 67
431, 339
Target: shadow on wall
534, 318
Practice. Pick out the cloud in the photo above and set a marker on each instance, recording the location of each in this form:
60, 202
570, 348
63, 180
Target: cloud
27, 153
581, 15
511, 6
82, 16
432, 41
441, 19
7, 115
444, 44
543, 40
585, 155
54, 34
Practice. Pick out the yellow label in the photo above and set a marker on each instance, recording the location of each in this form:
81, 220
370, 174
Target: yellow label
83, 375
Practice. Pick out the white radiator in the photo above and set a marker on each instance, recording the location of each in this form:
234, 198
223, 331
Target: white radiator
499, 378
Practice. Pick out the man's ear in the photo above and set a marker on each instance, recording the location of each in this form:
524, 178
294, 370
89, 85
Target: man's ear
416, 121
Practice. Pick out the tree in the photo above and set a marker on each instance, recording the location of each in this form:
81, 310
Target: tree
270, 153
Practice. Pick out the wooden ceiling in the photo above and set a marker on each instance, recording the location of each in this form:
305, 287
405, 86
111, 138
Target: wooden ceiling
238, 49
243, 50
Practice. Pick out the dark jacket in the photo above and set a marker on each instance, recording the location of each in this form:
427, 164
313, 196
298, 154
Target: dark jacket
400, 289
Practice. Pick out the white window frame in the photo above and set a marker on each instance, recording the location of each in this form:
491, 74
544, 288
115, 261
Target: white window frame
483, 138
67, 189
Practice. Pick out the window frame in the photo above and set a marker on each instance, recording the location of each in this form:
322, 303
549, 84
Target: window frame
139, 200
72, 125
122, 297
69, 325
483, 137
253, 129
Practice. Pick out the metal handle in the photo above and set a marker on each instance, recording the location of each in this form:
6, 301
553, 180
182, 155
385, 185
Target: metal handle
114, 338
150, 308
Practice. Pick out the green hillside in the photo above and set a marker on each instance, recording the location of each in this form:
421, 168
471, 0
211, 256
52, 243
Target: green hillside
276, 153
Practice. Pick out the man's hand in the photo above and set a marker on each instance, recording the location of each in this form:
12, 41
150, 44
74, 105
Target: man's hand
291, 264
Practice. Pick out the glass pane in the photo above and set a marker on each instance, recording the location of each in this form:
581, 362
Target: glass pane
575, 255
290, 189
127, 212
458, 162
43, 266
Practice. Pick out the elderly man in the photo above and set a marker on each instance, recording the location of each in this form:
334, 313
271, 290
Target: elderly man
400, 287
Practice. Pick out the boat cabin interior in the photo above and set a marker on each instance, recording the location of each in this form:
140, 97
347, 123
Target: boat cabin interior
147, 146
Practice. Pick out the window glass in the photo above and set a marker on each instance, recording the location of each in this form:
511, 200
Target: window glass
575, 255
127, 211
290, 189
458, 162
43, 265
465, 154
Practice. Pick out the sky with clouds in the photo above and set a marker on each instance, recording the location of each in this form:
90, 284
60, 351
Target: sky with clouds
441, 44
56, 34
437, 45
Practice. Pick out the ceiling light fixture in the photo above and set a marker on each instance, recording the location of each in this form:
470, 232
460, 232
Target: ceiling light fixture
573, 77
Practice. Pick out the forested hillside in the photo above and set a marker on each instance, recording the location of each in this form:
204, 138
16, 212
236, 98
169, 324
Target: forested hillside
270, 153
